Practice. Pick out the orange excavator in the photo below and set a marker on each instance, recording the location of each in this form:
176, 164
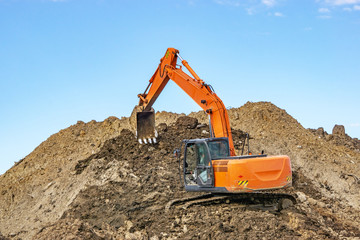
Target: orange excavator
209, 165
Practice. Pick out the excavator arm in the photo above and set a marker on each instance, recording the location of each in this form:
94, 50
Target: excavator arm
196, 88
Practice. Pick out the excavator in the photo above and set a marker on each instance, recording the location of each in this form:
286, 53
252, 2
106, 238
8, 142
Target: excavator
210, 165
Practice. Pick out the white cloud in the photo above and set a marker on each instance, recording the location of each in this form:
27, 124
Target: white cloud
269, 3
278, 14
250, 11
355, 125
308, 28
324, 10
324, 17
354, 8
250, 6
342, 2
233, 3
191, 3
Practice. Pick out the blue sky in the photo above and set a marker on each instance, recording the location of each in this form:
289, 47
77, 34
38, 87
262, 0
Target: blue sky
67, 60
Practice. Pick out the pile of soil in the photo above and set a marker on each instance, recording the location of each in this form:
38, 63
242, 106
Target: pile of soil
119, 189
338, 137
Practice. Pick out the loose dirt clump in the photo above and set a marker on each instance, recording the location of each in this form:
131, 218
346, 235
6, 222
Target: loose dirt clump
118, 189
2, 237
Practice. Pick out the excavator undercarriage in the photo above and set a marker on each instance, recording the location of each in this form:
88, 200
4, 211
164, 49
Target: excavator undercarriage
265, 201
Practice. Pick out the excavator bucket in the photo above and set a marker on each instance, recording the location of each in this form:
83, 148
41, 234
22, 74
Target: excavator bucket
145, 127
143, 123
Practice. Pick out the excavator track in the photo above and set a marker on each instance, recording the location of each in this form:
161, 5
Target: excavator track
258, 201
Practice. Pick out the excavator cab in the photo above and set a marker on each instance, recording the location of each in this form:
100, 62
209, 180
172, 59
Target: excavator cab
199, 153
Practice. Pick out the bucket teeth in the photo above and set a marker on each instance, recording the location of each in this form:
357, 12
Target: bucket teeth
147, 141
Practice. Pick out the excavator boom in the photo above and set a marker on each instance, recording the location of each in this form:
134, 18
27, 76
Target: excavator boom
196, 88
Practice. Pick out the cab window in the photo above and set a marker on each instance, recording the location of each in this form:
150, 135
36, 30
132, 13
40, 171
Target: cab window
203, 156
191, 157
219, 149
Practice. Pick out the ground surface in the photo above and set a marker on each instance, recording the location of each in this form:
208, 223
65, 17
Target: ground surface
93, 181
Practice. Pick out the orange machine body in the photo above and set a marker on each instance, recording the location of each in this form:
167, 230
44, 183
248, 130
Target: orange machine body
252, 174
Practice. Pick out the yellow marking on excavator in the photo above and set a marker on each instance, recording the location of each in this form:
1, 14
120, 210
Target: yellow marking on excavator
243, 183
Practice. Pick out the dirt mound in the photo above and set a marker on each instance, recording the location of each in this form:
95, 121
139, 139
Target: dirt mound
132, 206
338, 137
94, 181
41, 186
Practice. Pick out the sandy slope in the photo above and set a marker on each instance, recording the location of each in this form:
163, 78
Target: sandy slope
92, 180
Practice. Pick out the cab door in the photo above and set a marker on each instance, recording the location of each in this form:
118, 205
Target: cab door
204, 169
198, 170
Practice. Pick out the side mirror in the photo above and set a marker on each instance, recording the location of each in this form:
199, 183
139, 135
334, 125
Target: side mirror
176, 153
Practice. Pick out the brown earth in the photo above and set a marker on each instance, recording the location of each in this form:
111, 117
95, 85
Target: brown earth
338, 137
94, 181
